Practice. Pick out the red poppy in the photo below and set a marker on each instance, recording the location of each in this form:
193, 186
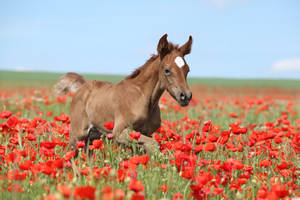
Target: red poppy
109, 125
187, 172
12, 122
49, 113
138, 196
15, 188
84, 192
5, 114
25, 165
61, 99
280, 190
107, 193
265, 163
62, 118
16, 175
144, 159
80, 144
177, 196
65, 190
163, 188
207, 126
233, 115
69, 155
203, 179
50, 197
210, 147
136, 186
48, 144
134, 135
98, 144
283, 165
262, 192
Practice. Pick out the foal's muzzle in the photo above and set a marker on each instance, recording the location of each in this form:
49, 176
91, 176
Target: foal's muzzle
184, 98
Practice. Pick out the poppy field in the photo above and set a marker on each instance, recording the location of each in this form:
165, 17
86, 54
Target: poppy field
229, 143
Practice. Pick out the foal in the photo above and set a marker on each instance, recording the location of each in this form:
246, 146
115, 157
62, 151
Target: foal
132, 103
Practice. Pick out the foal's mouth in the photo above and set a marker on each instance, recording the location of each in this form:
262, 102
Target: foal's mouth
184, 99
183, 103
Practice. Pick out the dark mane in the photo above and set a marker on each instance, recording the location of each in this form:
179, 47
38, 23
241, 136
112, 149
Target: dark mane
137, 71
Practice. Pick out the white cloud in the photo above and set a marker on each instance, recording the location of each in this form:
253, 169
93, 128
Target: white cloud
22, 69
287, 65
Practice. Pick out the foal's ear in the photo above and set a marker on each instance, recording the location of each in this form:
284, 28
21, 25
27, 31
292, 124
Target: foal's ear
163, 46
187, 47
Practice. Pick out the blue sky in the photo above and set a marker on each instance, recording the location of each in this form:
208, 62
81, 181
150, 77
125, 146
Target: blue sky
232, 38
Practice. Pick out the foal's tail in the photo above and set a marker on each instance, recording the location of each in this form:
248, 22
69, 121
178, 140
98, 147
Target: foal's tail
69, 82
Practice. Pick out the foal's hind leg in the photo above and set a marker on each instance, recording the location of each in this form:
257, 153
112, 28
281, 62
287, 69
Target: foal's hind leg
78, 129
93, 134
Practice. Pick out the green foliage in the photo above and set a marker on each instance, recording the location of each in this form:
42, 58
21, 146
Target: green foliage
13, 79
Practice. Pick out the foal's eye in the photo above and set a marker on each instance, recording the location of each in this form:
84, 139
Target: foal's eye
167, 71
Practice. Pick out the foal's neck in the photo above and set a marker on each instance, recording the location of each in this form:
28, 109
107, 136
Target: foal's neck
150, 84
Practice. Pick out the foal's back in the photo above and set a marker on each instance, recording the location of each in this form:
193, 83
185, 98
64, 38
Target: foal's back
101, 102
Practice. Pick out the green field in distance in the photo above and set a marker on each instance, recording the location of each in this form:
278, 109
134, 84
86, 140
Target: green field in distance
14, 79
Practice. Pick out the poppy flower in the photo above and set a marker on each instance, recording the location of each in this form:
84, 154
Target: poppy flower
65, 190
203, 179
25, 165
134, 135
107, 193
62, 118
187, 172
109, 125
144, 159
163, 188
69, 155
177, 196
15, 188
98, 144
17, 175
61, 99
5, 114
136, 186
138, 196
80, 144
262, 192
206, 126
84, 192
265, 163
233, 115
48, 144
49, 113
210, 147
280, 190
12, 122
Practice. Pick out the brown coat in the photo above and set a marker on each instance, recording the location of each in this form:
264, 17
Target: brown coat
132, 103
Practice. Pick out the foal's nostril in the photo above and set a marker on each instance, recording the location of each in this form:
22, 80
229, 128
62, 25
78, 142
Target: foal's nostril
182, 96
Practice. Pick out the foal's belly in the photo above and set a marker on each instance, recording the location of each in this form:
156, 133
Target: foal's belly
147, 128
149, 124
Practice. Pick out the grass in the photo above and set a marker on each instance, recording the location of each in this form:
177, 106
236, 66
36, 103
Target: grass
210, 106
13, 79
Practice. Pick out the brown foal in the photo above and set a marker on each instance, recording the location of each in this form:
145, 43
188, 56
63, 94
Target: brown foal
131, 103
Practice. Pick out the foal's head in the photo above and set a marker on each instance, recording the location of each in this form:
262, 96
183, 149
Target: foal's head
173, 69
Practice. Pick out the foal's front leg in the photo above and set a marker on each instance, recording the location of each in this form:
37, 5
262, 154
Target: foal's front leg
148, 143
121, 134
144, 142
